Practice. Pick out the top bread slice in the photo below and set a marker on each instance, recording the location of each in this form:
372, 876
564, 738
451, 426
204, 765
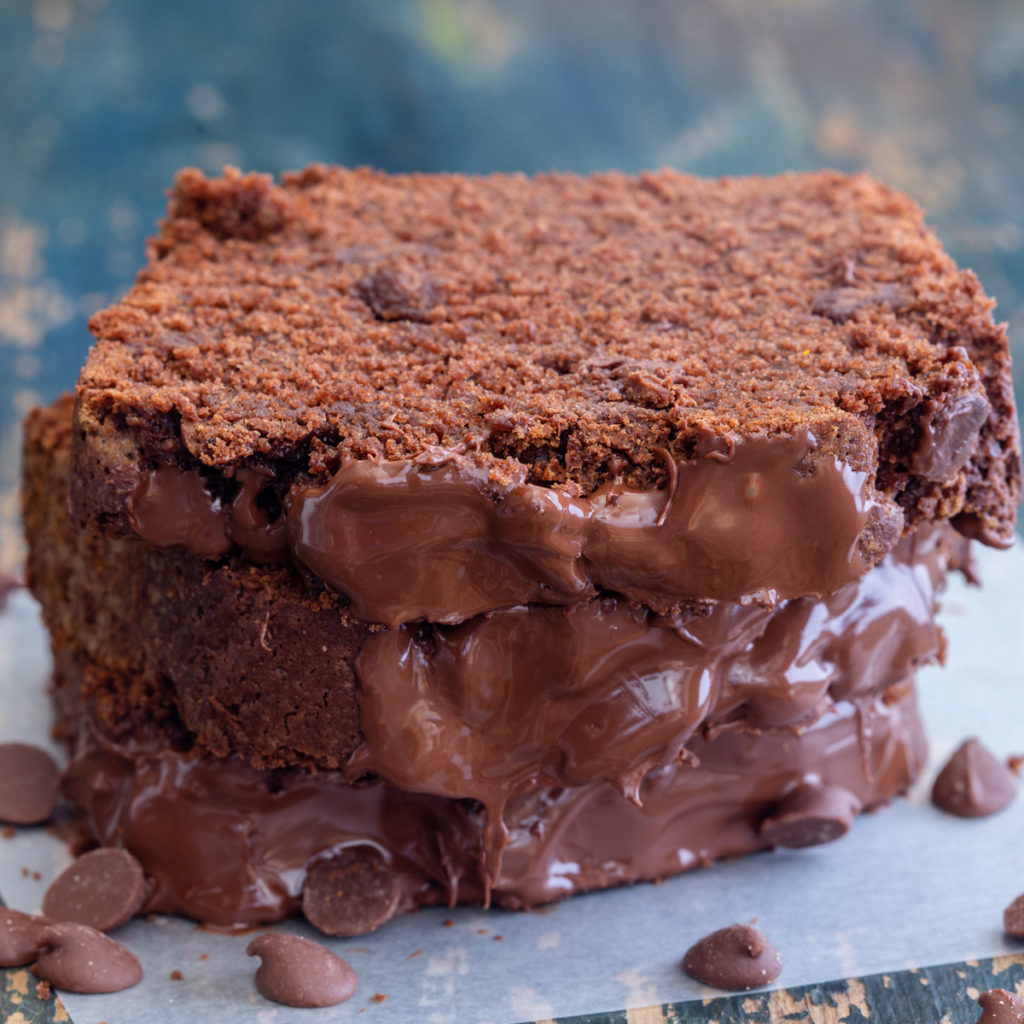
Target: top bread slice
580, 326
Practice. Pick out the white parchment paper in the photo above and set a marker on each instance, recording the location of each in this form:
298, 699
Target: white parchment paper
908, 887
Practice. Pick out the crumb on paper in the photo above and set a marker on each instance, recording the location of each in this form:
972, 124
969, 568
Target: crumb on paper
413, 955
177, 976
448, 923
379, 997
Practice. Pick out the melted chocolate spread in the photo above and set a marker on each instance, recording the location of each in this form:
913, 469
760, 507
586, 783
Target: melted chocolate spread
536, 696
230, 844
444, 537
537, 735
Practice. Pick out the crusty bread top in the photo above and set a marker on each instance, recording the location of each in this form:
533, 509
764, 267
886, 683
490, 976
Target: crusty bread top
575, 324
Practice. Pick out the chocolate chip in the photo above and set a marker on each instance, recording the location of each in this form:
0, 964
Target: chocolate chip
947, 434
809, 815
29, 782
102, 889
399, 293
737, 958
974, 783
78, 958
1000, 1007
1013, 918
644, 388
351, 893
20, 937
297, 972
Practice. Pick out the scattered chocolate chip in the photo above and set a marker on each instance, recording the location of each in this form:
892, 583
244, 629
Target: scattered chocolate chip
1000, 1007
29, 781
809, 815
20, 937
351, 893
102, 889
78, 958
736, 958
974, 783
298, 972
1013, 918
177, 976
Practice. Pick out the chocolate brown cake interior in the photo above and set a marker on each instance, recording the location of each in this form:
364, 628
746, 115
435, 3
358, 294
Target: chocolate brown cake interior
529, 535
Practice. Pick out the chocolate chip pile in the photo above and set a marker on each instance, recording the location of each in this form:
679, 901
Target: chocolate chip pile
353, 892
105, 888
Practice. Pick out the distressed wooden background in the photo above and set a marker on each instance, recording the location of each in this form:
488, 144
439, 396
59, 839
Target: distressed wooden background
929, 995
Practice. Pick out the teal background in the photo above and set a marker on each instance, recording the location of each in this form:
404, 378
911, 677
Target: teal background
100, 102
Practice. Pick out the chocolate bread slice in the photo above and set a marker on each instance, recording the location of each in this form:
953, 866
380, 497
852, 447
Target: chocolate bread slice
512, 519
795, 353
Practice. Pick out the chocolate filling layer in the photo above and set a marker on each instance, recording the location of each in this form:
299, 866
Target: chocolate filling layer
230, 844
444, 537
536, 696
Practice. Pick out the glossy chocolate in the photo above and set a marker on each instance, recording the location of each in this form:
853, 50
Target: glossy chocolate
409, 540
447, 536
172, 506
230, 844
947, 436
604, 691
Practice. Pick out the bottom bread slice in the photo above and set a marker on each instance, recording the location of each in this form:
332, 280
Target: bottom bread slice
230, 844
